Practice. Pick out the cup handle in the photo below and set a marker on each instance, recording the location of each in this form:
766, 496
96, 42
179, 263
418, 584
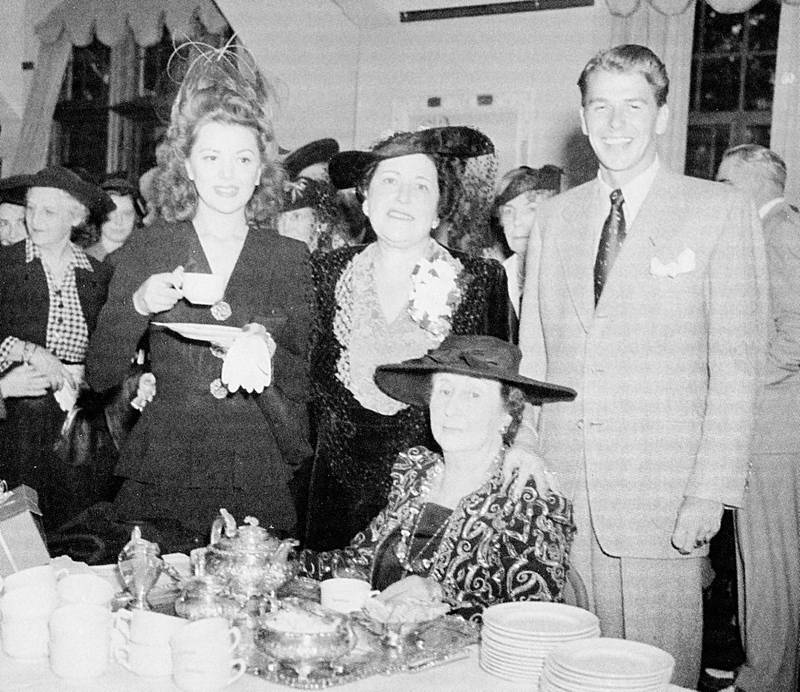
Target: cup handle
241, 668
122, 622
121, 657
236, 637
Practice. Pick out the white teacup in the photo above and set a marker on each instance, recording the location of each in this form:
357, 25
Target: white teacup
148, 627
28, 602
42, 575
146, 660
203, 289
25, 637
85, 588
80, 636
345, 595
198, 636
210, 675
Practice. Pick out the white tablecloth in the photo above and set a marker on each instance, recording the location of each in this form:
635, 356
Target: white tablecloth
464, 675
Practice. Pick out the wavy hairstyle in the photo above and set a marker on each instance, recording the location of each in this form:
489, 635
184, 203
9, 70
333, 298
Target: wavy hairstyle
218, 87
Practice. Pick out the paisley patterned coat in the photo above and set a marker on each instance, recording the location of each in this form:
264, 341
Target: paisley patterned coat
492, 550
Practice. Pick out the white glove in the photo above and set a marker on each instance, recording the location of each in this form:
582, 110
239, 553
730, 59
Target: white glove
248, 362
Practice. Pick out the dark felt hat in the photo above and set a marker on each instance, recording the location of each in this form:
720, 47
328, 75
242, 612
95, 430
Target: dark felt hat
348, 167
91, 196
318, 151
548, 177
486, 357
12, 190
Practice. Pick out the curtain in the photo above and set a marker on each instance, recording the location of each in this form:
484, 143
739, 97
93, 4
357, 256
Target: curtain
786, 101
76, 22
34, 137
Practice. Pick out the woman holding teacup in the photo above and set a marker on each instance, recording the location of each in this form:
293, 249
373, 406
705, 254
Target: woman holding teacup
450, 528
219, 432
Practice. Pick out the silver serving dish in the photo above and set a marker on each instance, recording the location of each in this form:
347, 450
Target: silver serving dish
248, 560
305, 652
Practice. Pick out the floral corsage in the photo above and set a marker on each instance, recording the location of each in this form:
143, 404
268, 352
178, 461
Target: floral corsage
435, 292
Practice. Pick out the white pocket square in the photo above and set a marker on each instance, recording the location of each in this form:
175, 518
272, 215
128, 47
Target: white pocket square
682, 264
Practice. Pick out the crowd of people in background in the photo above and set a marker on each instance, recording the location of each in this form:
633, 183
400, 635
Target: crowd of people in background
432, 377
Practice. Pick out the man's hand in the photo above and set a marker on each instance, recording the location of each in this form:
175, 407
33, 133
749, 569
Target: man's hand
522, 463
697, 523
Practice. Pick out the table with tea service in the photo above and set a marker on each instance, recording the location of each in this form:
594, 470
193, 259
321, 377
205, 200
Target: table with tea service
235, 616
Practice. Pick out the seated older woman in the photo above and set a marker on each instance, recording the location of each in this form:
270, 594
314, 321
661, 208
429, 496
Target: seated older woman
50, 295
449, 523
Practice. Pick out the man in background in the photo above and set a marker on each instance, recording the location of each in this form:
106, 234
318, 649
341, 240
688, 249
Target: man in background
768, 523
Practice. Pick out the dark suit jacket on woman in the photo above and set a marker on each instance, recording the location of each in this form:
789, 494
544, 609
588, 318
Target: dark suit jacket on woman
187, 438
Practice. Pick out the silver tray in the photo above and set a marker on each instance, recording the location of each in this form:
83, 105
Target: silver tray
432, 643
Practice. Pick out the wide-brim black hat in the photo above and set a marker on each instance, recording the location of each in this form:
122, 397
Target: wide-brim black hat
91, 196
318, 151
486, 357
347, 168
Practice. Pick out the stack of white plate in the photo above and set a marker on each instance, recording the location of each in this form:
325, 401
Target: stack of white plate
607, 664
517, 637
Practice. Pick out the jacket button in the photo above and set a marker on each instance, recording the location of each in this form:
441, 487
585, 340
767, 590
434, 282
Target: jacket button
579, 424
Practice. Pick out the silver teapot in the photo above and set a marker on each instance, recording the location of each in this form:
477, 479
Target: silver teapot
248, 559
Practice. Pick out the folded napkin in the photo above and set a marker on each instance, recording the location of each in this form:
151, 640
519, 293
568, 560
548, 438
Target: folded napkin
248, 361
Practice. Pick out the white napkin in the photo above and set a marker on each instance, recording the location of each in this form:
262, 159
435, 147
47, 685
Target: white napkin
248, 362
68, 395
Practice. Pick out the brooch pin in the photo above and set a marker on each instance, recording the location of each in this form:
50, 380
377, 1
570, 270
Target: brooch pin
217, 389
221, 310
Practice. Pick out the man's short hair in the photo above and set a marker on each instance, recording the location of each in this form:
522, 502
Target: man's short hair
772, 166
629, 58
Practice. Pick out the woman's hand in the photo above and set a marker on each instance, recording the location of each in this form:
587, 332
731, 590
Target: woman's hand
23, 380
145, 392
412, 587
46, 364
159, 292
248, 361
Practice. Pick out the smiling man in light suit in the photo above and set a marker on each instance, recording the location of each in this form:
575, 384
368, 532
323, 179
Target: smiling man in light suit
645, 292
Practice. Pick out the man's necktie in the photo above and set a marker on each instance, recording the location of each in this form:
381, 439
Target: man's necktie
611, 240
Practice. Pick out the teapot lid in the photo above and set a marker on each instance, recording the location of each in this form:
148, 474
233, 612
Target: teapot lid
250, 537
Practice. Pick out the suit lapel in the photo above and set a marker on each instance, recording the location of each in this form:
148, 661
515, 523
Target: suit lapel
576, 246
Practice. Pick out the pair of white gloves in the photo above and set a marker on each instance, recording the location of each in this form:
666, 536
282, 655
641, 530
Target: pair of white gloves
248, 360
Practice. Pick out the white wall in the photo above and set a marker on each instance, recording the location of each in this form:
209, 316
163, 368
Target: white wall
309, 50
543, 52
344, 81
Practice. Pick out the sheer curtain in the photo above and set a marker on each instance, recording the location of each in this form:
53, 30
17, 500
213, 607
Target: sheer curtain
76, 22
